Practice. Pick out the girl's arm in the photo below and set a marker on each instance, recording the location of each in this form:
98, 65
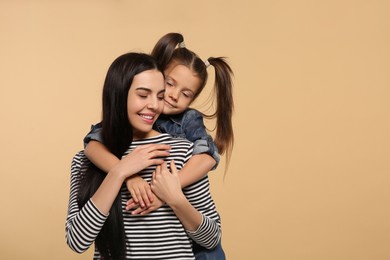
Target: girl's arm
99, 155
196, 168
139, 189
205, 154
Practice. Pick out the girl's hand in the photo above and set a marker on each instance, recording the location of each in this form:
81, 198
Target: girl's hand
155, 204
140, 191
166, 185
140, 158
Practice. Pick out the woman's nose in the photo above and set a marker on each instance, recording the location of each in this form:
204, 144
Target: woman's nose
153, 103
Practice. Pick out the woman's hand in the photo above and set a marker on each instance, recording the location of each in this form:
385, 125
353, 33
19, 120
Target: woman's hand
140, 158
140, 191
166, 185
155, 204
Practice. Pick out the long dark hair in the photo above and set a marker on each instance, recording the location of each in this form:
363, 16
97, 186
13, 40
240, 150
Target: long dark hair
170, 49
117, 136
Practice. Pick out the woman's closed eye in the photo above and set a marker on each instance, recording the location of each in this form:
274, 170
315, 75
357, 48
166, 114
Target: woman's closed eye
143, 93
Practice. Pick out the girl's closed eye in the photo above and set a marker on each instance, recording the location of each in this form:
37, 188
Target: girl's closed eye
188, 94
169, 83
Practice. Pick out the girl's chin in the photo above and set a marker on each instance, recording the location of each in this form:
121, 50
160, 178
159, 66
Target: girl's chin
168, 111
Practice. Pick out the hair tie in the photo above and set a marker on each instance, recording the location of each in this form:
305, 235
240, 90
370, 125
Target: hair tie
182, 45
207, 63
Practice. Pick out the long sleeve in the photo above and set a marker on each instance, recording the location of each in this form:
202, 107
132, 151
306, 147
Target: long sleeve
82, 225
209, 232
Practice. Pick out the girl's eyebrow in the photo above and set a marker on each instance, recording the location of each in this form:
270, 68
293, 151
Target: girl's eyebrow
170, 78
185, 88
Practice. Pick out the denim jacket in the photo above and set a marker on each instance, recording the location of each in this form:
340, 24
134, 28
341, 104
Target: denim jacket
188, 125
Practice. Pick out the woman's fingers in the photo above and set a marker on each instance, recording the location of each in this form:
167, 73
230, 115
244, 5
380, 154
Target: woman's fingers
173, 167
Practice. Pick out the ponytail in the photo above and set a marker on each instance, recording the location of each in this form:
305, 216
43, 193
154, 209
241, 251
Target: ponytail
165, 47
223, 91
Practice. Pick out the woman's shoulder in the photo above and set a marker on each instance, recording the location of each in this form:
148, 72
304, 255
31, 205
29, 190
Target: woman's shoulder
80, 163
164, 138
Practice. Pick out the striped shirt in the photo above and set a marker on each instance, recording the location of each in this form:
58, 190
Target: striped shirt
157, 235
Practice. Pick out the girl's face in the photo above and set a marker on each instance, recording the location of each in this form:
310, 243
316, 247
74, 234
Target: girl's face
145, 102
181, 85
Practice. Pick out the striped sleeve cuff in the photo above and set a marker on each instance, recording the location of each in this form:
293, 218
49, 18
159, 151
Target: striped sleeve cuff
85, 227
208, 233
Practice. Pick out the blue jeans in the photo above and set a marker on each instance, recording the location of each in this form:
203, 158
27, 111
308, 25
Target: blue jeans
209, 254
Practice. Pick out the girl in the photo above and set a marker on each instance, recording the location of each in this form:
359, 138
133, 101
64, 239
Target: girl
185, 76
133, 98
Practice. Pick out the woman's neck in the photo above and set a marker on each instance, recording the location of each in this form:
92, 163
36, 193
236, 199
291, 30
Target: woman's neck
138, 136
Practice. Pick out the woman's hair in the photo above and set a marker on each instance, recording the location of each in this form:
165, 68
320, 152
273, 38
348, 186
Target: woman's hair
117, 136
169, 50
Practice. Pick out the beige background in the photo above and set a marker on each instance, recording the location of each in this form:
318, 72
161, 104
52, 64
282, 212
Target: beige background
309, 176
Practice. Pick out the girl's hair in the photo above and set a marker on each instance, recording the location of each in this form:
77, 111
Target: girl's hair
117, 136
170, 50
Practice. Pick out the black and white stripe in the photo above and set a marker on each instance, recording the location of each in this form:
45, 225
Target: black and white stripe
157, 235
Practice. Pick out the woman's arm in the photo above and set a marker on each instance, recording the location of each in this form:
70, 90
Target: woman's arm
84, 224
166, 185
194, 207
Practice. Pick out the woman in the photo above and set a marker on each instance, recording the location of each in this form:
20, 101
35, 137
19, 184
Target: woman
133, 98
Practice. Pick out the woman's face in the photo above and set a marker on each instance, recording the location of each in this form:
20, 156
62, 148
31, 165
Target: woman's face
181, 85
145, 102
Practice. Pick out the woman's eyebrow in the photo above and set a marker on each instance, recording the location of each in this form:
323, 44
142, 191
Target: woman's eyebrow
149, 90
143, 88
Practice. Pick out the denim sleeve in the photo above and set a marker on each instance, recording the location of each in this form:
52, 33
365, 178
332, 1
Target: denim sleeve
195, 131
94, 134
